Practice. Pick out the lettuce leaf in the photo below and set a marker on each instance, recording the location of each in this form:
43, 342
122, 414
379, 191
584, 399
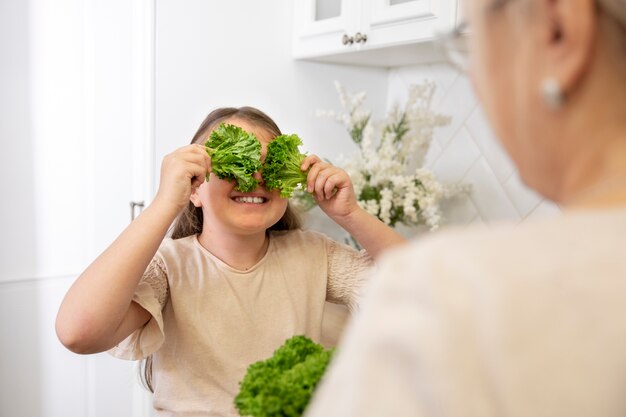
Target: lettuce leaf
281, 170
282, 385
235, 156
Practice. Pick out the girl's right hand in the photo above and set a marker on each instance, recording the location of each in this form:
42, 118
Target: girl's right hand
182, 171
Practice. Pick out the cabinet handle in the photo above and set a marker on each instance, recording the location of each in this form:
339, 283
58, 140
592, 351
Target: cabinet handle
360, 37
347, 40
134, 204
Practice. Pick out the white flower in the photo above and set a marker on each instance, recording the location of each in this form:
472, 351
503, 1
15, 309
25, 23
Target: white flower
385, 205
387, 171
343, 95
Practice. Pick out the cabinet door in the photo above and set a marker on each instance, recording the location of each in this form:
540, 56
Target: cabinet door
395, 22
320, 26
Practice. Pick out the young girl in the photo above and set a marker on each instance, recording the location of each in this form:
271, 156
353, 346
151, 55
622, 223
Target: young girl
235, 280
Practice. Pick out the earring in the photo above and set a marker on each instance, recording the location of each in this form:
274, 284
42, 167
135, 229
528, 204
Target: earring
552, 93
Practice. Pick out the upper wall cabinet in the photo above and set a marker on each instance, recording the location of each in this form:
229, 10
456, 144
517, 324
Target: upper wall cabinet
383, 33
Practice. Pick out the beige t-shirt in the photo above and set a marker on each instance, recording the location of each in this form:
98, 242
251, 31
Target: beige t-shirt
517, 321
210, 321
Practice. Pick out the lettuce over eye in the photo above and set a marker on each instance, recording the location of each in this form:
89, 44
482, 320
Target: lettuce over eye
282, 385
281, 170
235, 156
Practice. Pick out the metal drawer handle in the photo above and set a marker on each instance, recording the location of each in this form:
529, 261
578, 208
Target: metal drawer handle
360, 37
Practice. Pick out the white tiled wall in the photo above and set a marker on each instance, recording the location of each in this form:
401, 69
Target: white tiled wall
467, 151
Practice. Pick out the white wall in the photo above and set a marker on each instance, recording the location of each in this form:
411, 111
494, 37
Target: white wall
216, 54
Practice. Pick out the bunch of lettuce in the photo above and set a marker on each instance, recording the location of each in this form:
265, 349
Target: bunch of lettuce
282, 385
281, 170
235, 155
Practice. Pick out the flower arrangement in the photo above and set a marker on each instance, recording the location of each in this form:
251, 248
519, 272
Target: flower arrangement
387, 170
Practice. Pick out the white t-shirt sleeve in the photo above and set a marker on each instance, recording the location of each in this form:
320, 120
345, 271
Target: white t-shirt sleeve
347, 273
152, 294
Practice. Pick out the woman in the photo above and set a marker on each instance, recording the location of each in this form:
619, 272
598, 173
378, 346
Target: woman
525, 320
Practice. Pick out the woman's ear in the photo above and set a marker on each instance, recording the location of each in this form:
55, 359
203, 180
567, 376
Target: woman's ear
569, 38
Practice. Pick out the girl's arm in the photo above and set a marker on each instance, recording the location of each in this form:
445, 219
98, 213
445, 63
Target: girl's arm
97, 312
334, 193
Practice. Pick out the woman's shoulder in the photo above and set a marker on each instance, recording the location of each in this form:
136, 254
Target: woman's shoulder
499, 271
534, 247
473, 242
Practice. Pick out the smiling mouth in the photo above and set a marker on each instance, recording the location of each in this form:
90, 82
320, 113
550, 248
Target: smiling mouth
250, 200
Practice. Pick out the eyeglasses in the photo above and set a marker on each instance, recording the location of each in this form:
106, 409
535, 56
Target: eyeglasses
454, 43
455, 46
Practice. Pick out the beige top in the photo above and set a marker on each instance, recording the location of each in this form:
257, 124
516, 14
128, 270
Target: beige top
516, 321
210, 321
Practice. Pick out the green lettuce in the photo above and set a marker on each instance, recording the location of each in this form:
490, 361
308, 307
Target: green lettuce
235, 156
281, 170
283, 384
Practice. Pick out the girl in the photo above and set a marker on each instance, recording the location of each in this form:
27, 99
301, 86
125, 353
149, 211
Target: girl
236, 278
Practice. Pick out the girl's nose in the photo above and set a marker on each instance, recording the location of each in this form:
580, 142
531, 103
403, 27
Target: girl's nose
257, 176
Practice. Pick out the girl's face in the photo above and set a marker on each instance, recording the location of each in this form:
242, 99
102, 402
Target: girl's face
228, 211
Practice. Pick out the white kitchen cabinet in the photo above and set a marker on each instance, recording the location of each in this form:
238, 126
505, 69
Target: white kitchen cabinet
382, 33
321, 25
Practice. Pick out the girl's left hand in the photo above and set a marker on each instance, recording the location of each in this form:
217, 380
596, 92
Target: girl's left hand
331, 187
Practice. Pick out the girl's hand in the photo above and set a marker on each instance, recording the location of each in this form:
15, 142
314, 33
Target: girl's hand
182, 171
331, 187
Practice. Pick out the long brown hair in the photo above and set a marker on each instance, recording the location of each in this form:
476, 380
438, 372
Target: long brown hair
189, 221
